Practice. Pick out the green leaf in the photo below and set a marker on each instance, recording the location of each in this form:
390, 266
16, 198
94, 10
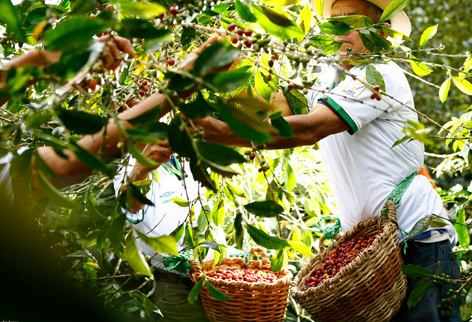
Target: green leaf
9, 16
222, 170
178, 232
319, 5
148, 133
262, 87
438, 222
194, 293
322, 40
54, 195
219, 154
180, 202
332, 48
229, 81
217, 55
73, 33
393, 8
419, 292
354, 21
444, 90
281, 124
305, 18
161, 244
462, 230
265, 240
374, 77
238, 231
419, 68
91, 160
81, 122
116, 234
245, 124
197, 109
215, 293
142, 9
277, 261
139, 28
277, 23
297, 101
416, 270
419, 228
134, 192
400, 141
380, 41
181, 140
335, 28
368, 42
428, 34
141, 158
266, 208
464, 85
83, 7
302, 248
135, 258
200, 173
244, 11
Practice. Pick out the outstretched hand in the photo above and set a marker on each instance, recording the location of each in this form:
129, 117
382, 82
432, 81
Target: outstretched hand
112, 53
159, 153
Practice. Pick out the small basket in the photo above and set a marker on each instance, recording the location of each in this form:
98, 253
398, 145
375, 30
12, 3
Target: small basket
249, 301
370, 288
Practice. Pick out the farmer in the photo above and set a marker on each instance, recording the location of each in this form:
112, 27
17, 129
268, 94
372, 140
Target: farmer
356, 133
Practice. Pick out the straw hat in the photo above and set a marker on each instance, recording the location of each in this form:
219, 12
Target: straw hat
399, 22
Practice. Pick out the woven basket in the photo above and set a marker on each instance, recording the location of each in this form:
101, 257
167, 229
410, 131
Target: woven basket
249, 301
370, 288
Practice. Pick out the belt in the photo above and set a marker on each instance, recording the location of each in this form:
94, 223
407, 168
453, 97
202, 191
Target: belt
168, 277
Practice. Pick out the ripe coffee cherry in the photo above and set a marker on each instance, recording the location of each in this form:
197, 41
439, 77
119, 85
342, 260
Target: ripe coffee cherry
235, 40
174, 10
265, 168
231, 27
92, 84
109, 7
271, 63
252, 156
245, 275
240, 32
144, 83
171, 62
248, 32
248, 43
145, 89
141, 93
92, 16
373, 96
377, 88
276, 57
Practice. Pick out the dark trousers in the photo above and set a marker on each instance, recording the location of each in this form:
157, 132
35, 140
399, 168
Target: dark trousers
437, 258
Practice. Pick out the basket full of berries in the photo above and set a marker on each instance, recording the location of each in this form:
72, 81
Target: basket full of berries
358, 278
257, 292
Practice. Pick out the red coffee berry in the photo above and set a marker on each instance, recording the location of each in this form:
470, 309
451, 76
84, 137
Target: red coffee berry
240, 32
276, 57
252, 156
265, 168
144, 83
109, 7
248, 43
92, 16
145, 89
231, 27
271, 63
92, 84
141, 93
248, 32
174, 10
377, 88
235, 40
373, 96
378, 98
171, 62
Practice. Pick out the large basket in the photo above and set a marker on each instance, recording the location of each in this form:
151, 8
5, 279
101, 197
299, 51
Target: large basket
370, 288
249, 301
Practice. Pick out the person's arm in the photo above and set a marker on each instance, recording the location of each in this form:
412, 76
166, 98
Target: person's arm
72, 170
307, 129
160, 153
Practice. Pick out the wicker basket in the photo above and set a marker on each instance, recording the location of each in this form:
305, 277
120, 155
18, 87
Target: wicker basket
370, 288
249, 301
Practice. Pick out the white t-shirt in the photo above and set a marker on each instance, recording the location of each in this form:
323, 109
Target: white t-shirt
362, 165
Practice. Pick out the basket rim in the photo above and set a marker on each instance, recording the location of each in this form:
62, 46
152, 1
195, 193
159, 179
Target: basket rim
282, 281
382, 222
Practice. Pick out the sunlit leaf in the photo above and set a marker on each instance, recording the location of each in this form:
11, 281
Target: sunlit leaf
161, 244
444, 90
335, 28
464, 85
280, 3
374, 77
141, 158
265, 240
276, 23
135, 258
302, 248
217, 55
142, 9
219, 154
195, 292
266, 208
9, 16
419, 68
244, 11
393, 8
428, 34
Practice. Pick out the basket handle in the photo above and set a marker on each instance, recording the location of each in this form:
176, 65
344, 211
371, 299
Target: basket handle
197, 270
265, 258
322, 239
392, 212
